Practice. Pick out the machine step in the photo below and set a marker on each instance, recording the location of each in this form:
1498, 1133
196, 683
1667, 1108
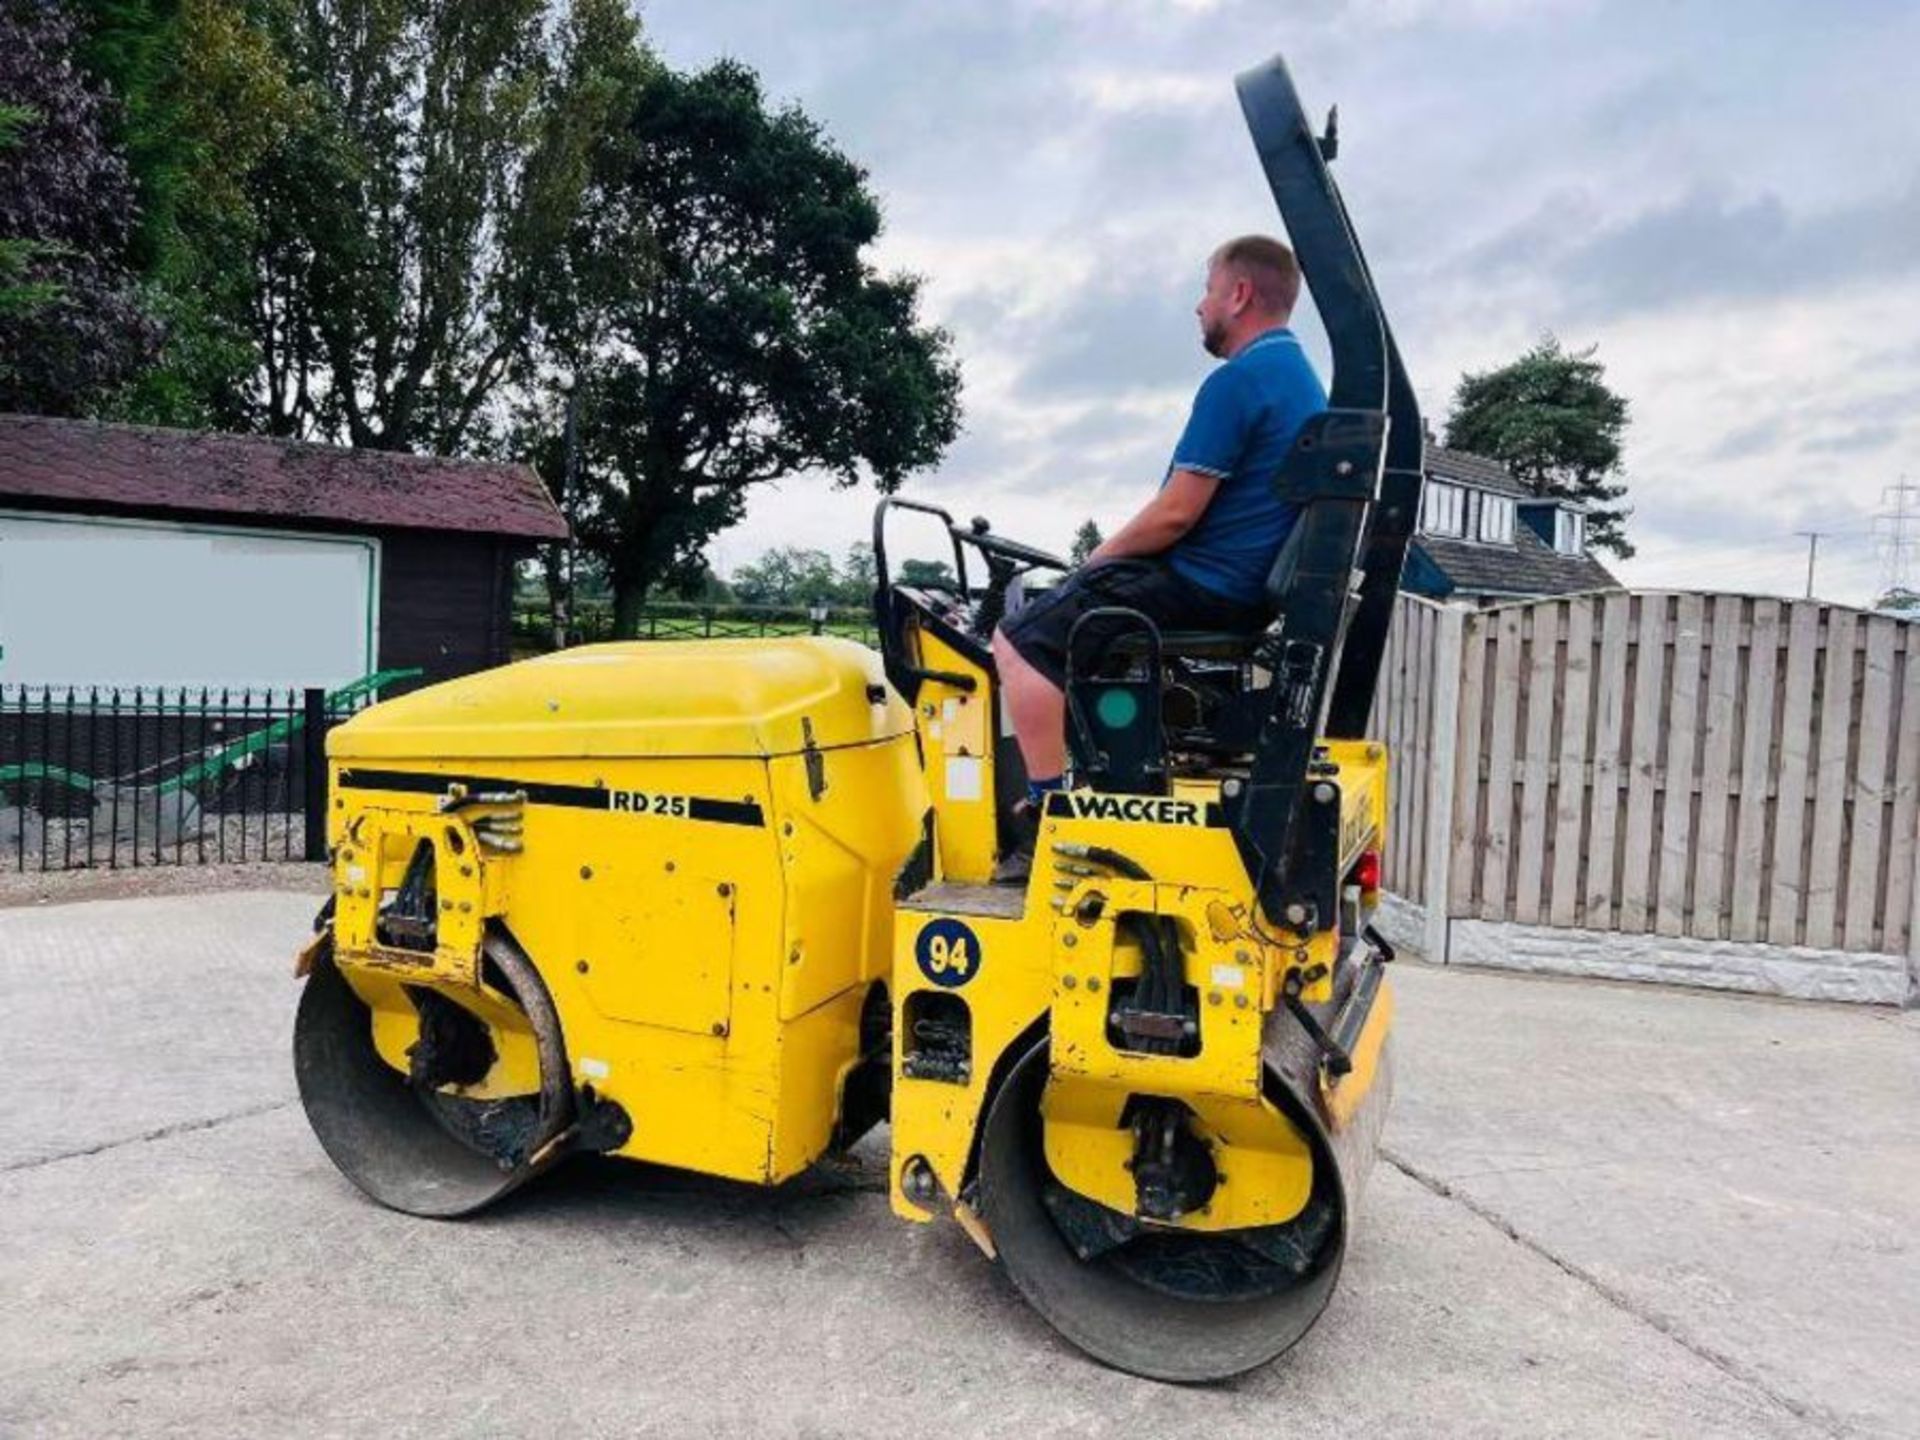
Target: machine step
1005, 902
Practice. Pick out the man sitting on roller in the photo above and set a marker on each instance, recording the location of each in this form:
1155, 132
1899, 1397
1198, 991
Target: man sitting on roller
1197, 554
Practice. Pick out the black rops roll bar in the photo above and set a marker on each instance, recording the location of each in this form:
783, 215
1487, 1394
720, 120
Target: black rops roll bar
1332, 475
1389, 530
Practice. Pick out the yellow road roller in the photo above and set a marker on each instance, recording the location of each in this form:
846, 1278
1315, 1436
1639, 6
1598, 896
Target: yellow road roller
727, 905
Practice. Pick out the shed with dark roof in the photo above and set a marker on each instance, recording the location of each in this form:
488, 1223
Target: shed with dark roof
132, 555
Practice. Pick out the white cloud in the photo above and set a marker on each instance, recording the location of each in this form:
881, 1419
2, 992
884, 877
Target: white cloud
1110, 91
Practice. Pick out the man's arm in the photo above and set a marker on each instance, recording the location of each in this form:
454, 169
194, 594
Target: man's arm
1171, 513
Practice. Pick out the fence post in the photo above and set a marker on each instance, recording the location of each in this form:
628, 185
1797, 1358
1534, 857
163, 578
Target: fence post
1913, 920
1443, 741
313, 740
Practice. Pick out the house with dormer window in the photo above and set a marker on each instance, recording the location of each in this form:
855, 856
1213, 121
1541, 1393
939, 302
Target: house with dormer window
1483, 537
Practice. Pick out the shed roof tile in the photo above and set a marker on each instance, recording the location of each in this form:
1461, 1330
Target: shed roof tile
1527, 567
131, 467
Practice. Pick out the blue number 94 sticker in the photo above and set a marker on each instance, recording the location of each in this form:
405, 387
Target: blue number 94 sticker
948, 953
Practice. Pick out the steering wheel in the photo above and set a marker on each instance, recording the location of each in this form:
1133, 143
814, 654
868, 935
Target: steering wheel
1011, 552
1006, 561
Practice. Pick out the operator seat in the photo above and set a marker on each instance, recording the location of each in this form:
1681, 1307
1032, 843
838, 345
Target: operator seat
1240, 644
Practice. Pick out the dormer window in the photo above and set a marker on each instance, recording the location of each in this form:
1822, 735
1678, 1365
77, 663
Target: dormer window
1496, 520
1466, 512
1443, 509
1569, 532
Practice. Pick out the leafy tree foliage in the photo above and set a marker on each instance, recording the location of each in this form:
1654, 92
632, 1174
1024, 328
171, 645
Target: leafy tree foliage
715, 299
788, 575
410, 217
1900, 601
206, 100
858, 573
934, 573
75, 326
1551, 419
20, 294
1086, 540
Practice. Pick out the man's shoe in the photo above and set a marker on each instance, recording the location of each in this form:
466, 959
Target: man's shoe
1016, 866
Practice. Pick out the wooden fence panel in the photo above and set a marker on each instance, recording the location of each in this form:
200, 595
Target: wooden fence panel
1649, 659
1468, 839
1722, 715
1903, 822
1403, 720
1496, 818
1829, 783
1862, 922
1719, 767
1793, 751
1426, 627
1677, 777
1570, 759
1754, 809
1535, 766
1599, 906
1404, 743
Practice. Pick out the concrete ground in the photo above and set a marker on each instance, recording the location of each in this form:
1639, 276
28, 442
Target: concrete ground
1603, 1210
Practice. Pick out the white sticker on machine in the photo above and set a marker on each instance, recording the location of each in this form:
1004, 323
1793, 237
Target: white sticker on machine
1229, 977
965, 775
965, 724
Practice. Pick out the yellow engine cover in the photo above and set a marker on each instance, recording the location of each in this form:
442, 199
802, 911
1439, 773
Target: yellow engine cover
694, 841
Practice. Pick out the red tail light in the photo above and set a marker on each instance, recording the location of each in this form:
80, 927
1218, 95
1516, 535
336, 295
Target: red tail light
1366, 871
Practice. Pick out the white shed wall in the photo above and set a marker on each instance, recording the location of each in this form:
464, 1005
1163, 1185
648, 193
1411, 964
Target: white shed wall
88, 601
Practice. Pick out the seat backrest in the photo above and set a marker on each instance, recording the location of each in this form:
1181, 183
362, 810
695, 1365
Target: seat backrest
1285, 561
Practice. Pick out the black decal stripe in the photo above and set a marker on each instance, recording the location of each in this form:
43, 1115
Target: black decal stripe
725, 812
574, 797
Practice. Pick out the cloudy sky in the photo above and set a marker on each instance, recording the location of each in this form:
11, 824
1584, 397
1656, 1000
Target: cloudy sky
1724, 198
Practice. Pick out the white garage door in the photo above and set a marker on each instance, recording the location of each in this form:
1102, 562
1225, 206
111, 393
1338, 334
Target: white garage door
85, 601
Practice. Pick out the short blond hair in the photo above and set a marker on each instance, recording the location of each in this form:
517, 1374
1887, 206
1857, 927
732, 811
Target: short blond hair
1268, 266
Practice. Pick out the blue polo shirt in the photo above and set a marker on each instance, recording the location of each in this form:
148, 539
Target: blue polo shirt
1243, 423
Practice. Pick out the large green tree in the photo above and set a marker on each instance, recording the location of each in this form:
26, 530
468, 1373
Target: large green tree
718, 307
409, 220
74, 326
1552, 420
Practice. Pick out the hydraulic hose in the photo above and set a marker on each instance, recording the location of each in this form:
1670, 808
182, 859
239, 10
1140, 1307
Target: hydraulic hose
1160, 978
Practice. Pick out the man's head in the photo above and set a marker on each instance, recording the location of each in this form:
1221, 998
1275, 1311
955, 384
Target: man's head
1252, 284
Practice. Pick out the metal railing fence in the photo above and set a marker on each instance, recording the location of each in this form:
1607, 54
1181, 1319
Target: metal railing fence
123, 777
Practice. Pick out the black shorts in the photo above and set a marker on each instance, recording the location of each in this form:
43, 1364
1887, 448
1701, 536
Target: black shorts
1039, 628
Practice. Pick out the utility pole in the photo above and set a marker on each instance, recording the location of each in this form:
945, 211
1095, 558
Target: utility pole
569, 488
1898, 526
1813, 550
